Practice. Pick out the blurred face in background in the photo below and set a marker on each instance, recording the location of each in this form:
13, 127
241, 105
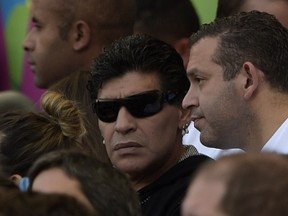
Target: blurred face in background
55, 180
50, 55
278, 8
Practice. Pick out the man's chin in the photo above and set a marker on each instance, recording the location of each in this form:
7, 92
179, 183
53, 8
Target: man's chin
40, 84
206, 140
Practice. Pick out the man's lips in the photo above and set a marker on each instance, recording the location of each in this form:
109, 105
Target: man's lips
30, 62
196, 118
126, 145
197, 121
32, 65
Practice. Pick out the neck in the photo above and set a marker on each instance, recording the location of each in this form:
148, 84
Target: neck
155, 171
271, 114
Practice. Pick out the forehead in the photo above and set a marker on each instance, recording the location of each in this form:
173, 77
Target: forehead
201, 53
130, 83
204, 197
61, 180
55, 180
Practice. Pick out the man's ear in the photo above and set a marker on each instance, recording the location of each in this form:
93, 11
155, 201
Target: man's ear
251, 79
185, 118
81, 35
182, 46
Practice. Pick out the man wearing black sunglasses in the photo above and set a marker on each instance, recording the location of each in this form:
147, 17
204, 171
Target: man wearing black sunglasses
138, 84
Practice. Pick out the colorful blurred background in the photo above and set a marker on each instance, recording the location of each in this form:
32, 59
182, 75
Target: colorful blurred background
14, 24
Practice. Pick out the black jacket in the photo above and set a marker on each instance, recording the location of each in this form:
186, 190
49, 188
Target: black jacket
164, 196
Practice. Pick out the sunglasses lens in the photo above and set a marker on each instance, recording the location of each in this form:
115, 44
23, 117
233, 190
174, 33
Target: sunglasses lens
140, 105
107, 111
145, 105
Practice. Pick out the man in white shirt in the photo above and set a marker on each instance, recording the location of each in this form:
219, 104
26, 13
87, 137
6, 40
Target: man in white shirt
238, 72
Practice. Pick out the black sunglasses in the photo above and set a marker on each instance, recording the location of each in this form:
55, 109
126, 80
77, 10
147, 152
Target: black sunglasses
139, 105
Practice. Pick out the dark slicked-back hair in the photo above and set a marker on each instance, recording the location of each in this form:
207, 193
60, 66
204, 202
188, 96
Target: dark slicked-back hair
143, 54
108, 190
168, 20
257, 37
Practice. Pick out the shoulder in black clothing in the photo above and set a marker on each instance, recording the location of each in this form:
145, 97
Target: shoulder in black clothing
164, 196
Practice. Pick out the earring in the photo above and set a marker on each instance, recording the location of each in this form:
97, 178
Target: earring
185, 129
103, 142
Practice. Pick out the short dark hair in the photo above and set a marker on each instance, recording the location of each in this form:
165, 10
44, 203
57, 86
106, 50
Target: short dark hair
142, 53
108, 190
167, 20
254, 36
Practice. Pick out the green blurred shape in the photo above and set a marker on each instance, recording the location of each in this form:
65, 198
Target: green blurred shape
206, 9
16, 30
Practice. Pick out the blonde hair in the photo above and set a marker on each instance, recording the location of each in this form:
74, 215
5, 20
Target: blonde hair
29, 135
65, 113
74, 88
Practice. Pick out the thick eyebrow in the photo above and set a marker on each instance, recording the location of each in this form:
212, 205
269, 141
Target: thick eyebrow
193, 72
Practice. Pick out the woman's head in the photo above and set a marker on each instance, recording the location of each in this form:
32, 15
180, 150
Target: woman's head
34, 204
74, 87
96, 184
25, 136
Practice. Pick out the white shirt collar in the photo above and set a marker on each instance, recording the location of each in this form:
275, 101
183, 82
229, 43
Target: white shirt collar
279, 141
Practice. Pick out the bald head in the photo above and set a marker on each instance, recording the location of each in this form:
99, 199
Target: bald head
278, 8
113, 18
